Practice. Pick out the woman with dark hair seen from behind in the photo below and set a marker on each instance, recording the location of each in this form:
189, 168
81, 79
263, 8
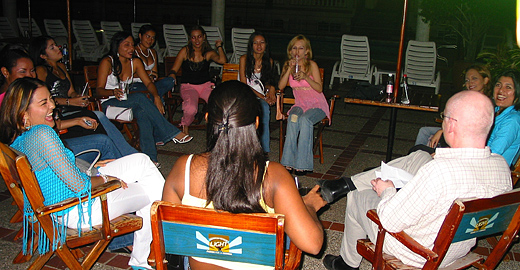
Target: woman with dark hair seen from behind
119, 66
234, 175
257, 71
303, 75
194, 59
26, 124
145, 51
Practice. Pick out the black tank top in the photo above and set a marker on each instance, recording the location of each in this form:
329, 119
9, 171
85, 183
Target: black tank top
195, 72
58, 87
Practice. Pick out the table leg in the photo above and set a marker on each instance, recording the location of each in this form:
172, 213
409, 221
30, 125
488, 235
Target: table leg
391, 134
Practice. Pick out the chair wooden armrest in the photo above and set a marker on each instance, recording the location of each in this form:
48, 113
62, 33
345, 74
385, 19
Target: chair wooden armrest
402, 237
70, 202
293, 257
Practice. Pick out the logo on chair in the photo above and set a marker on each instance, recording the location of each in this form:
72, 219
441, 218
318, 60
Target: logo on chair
219, 244
482, 224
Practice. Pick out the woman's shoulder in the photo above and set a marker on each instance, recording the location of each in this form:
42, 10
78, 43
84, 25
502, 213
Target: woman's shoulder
277, 173
41, 131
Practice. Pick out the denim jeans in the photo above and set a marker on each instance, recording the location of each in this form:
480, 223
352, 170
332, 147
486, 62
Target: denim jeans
153, 127
163, 86
297, 150
95, 141
423, 137
115, 135
264, 125
121, 241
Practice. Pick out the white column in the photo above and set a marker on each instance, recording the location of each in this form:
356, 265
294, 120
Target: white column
422, 33
218, 10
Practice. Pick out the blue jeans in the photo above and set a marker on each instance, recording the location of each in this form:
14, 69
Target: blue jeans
115, 135
297, 150
95, 141
264, 123
153, 127
423, 137
121, 241
163, 86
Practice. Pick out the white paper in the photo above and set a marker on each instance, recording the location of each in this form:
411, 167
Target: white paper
398, 176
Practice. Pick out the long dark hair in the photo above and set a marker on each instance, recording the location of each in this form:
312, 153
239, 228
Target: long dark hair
206, 47
236, 162
16, 101
267, 77
515, 76
37, 47
116, 40
9, 56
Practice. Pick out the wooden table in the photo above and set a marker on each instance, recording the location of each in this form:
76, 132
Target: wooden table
419, 102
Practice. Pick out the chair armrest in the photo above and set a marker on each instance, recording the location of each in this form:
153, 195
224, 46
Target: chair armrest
404, 238
70, 202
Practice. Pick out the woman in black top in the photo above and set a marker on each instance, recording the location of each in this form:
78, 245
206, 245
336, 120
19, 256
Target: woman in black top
194, 59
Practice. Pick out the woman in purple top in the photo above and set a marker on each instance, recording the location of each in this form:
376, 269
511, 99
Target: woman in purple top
303, 76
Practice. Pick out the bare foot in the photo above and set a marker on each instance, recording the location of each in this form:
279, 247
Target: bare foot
185, 130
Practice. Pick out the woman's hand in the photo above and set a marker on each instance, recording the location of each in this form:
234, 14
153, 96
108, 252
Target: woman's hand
87, 123
103, 163
314, 200
300, 75
158, 103
434, 140
118, 93
218, 43
81, 101
270, 97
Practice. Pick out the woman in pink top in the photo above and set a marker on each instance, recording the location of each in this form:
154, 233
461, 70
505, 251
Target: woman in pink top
303, 76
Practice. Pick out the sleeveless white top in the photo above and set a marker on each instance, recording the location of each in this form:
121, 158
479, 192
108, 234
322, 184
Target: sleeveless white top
146, 67
113, 82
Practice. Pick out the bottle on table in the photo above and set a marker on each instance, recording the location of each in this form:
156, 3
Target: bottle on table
390, 89
404, 97
65, 58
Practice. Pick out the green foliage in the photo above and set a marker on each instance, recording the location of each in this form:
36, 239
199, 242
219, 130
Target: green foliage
502, 59
470, 19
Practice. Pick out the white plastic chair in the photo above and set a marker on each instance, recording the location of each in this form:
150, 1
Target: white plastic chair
239, 39
175, 37
421, 58
6, 28
213, 34
135, 33
109, 29
88, 45
55, 28
355, 60
23, 25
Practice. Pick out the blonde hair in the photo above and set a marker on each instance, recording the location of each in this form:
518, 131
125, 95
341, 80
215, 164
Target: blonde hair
308, 53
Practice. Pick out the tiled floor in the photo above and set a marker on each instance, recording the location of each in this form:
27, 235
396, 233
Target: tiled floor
356, 140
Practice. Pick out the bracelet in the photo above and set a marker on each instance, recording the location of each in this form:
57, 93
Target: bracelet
105, 178
219, 47
172, 72
67, 102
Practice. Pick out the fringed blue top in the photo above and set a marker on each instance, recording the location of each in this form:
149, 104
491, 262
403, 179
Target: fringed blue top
59, 178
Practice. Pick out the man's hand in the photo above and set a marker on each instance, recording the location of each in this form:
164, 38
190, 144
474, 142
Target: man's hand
379, 185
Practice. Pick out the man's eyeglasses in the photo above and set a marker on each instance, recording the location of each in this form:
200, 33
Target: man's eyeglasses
445, 116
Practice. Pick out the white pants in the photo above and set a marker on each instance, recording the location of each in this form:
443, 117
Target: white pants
145, 185
410, 163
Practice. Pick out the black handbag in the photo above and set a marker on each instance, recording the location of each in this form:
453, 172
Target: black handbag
366, 90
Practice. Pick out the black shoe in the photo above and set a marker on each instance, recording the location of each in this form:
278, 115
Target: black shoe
301, 173
332, 190
332, 262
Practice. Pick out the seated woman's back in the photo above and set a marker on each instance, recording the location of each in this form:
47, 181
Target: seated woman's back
231, 175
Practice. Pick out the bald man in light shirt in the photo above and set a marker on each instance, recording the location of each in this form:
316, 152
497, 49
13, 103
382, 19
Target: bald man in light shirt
468, 169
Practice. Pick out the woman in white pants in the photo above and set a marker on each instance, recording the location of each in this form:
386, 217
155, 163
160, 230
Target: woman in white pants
26, 124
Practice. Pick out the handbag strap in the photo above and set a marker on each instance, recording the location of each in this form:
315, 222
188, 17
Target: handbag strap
123, 111
93, 162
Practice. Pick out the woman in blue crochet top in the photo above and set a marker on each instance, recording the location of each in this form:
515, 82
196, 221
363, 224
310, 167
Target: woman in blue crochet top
26, 124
